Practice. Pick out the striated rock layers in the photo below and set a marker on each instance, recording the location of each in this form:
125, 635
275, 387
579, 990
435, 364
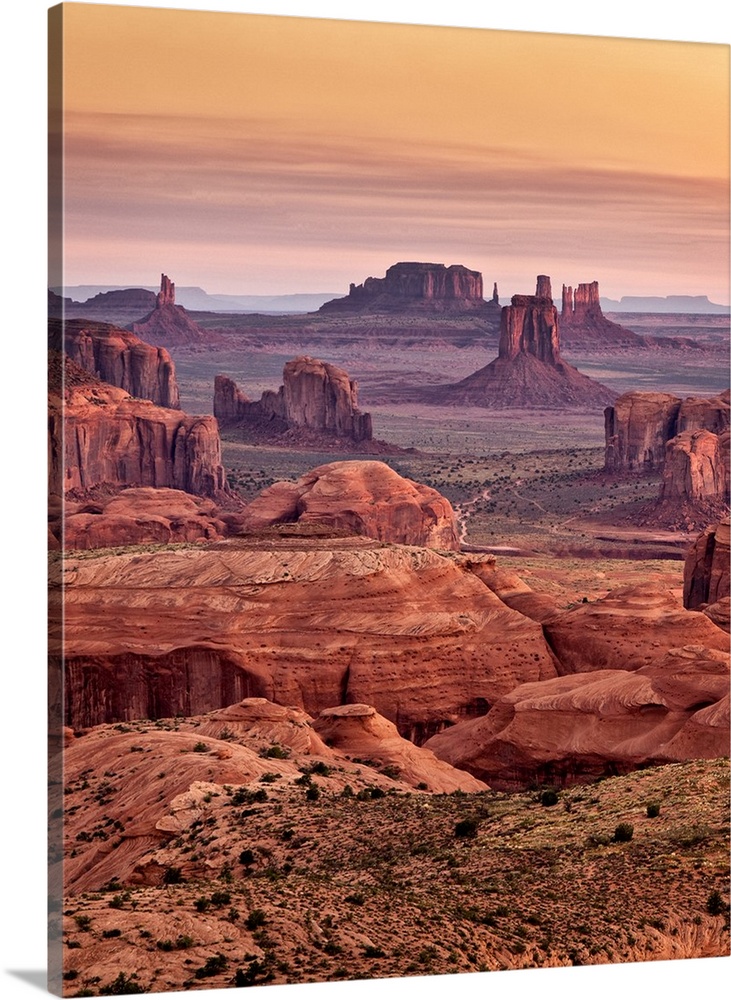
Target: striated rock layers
168, 324
100, 434
314, 395
414, 287
639, 426
529, 370
307, 622
118, 357
706, 570
590, 725
362, 497
141, 516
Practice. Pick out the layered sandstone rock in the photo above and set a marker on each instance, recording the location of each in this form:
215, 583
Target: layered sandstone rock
529, 370
314, 395
696, 467
583, 322
626, 630
706, 570
311, 623
415, 286
142, 516
118, 357
100, 434
168, 324
362, 497
360, 732
588, 725
639, 426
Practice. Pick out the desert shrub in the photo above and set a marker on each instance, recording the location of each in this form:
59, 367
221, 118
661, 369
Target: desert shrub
255, 972
200, 747
598, 840
114, 932
214, 965
715, 904
422, 787
247, 857
321, 768
347, 792
276, 752
123, 985
71, 974
391, 771
255, 920
270, 777
83, 922
549, 797
357, 898
690, 835
172, 876
466, 828
202, 904
370, 951
623, 832
221, 898
312, 793
653, 810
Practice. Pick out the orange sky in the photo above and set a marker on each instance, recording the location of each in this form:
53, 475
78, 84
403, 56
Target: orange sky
259, 154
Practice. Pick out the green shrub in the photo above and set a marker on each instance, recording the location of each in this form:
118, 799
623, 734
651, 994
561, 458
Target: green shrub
466, 828
221, 898
123, 985
255, 920
549, 797
202, 904
214, 965
623, 832
201, 747
172, 876
312, 793
653, 810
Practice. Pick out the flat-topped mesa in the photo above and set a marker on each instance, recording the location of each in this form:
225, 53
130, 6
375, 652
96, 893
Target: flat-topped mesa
315, 395
119, 358
639, 426
530, 325
410, 285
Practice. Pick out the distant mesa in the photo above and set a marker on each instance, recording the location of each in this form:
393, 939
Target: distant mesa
119, 358
529, 370
363, 498
167, 324
316, 398
414, 287
664, 304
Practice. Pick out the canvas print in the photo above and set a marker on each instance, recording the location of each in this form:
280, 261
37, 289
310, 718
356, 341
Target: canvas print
388, 500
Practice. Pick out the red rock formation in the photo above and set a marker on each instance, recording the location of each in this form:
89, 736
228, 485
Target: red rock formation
626, 630
361, 733
579, 728
638, 427
696, 467
142, 516
301, 621
706, 570
170, 325
118, 357
315, 395
414, 286
364, 497
583, 322
529, 370
100, 434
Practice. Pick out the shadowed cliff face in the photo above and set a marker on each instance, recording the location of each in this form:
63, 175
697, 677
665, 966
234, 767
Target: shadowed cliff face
706, 570
416, 287
315, 395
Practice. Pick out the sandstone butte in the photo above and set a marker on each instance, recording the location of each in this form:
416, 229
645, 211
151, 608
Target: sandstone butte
314, 395
363, 497
638, 426
529, 370
99, 434
119, 358
584, 726
583, 322
410, 286
236, 740
170, 325
313, 623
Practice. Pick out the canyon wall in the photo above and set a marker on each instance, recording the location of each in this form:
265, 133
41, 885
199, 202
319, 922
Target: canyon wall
706, 570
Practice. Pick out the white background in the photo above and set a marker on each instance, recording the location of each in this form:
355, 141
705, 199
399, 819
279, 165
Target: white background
23, 464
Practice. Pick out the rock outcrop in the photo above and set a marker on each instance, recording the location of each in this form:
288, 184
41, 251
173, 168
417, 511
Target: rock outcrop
529, 370
584, 323
706, 570
100, 434
306, 622
696, 467
141, 516
314, 395
170, 325
410, 286
362, 497
639, 426
119, 358
590, 725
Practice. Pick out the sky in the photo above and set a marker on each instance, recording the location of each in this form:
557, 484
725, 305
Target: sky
252, 154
